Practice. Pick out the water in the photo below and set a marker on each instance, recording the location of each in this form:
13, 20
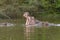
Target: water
7, 24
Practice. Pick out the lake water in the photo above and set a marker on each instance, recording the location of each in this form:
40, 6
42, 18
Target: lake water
7, 24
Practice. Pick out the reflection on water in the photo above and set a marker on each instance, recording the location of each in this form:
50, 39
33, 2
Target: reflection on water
28, 32
29, 29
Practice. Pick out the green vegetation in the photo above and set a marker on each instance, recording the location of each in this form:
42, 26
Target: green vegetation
39, 8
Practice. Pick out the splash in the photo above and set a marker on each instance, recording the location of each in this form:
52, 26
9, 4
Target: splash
41, 24
7, 24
